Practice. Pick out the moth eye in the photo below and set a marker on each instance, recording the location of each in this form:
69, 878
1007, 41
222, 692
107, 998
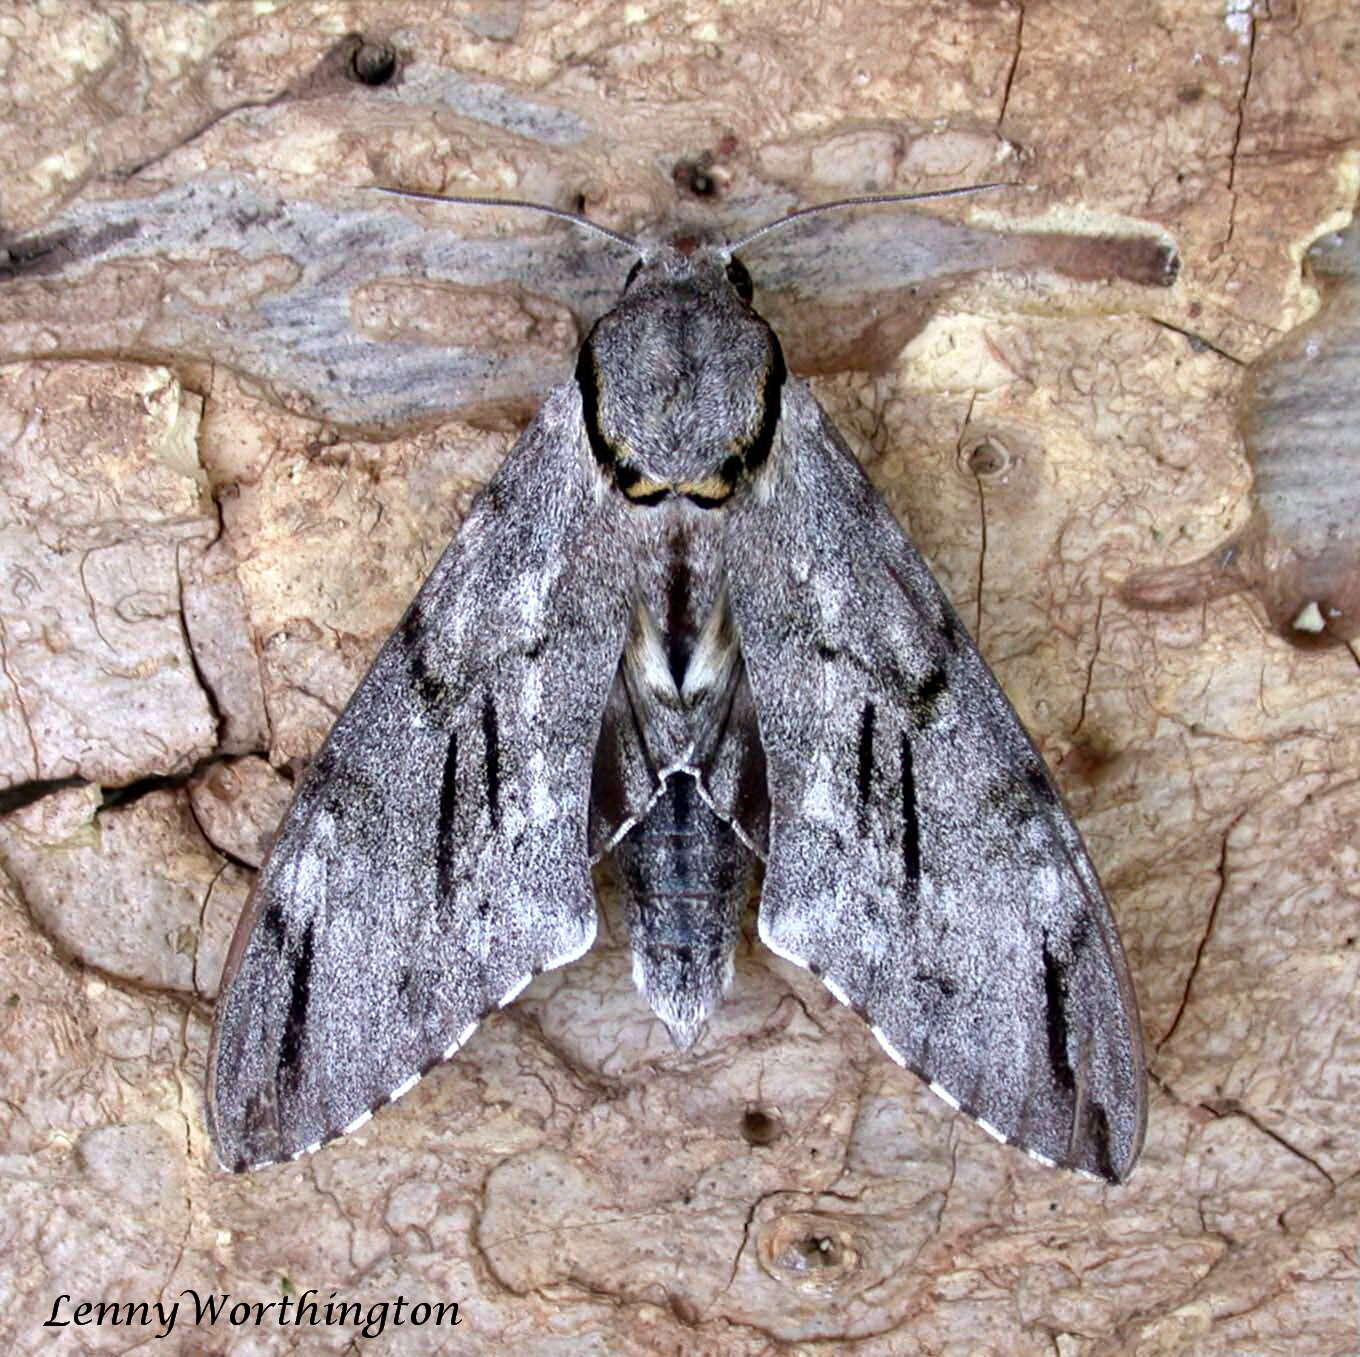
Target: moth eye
740, 280
632, 273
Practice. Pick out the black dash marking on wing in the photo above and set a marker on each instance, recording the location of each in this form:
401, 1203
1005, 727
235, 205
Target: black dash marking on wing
1038, 784
336, 795
322, 767
492, 740
923, 701
273, 925
911, 824
1020, 796
1098, 1130
951, 630
1055, 1018
290, 1053
448, 802
866, 766
933, 992
430, 685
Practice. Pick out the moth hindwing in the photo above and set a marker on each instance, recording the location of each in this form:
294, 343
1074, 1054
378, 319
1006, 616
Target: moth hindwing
679, 628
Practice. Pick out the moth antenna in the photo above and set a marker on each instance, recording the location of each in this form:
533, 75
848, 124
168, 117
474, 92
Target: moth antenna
867, 201
574, 217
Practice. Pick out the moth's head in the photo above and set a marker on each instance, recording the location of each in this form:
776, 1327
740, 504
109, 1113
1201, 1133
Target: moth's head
681, 380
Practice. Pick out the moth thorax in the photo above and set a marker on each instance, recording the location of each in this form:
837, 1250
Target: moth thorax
680, 384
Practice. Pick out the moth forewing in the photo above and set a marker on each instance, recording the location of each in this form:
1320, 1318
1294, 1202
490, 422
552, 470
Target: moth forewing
435, 856
920, 859
680, 626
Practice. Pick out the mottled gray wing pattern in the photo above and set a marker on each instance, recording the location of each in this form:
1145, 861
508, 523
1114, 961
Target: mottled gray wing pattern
921, 862
435, 856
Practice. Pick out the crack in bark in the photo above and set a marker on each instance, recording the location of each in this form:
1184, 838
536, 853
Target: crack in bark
1090, 668
1265, 1258
79, 967
132, 791
1208, 929
124, 172
89, 597
1014, 66
948, 1192
982, 562
24, 794
1244, 8
602, 1087
842, 1169
1230, 1107
209, 695
203, 910
746, 1234
980, 576
327, 76
1199, 341
570, 1227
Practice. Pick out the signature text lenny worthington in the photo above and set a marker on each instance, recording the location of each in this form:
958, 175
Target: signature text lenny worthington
220, 1308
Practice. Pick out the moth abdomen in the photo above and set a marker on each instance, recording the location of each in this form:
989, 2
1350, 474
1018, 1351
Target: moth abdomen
686, 876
